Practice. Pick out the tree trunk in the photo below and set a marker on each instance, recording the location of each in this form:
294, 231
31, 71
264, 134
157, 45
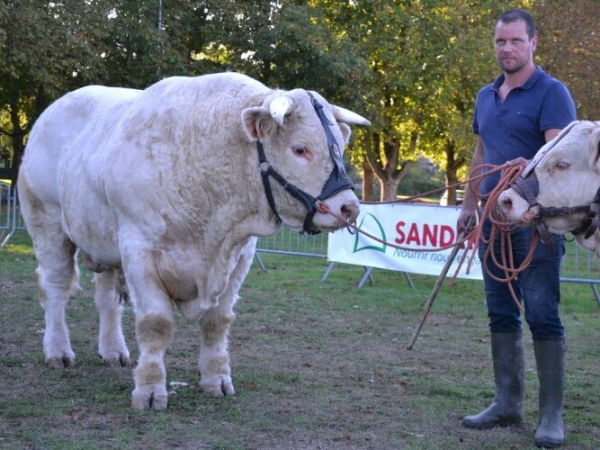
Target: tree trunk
388, 189
368, 191
18, 144
16, 162
452, 165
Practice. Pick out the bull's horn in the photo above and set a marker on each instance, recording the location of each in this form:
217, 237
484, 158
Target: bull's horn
279, 108
347, 116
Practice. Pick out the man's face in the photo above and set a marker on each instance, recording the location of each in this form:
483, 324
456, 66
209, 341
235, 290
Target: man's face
514, 49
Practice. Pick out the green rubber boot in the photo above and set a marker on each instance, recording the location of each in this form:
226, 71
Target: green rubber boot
508, 356
550, 362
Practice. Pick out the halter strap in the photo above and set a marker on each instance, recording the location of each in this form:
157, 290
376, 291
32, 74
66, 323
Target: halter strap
337, 181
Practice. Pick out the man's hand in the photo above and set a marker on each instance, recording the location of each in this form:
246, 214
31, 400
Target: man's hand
463, 219
520, 161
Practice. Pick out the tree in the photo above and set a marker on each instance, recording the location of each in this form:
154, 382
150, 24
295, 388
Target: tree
146, 42
464, 63
44, 49
288, 44
48, 48
382, 32
569, 49
412, 67
426, 63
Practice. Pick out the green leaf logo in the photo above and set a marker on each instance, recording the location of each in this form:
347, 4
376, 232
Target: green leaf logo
376, 246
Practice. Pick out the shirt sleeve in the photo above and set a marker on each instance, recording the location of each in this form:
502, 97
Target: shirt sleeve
475, 124
558, 108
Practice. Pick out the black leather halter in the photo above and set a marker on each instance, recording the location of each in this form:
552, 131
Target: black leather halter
527, 186
337, 181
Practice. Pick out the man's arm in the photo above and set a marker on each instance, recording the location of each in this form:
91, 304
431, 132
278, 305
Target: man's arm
469, 206
551, 133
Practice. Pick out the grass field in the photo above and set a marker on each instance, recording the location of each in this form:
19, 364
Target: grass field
315, 366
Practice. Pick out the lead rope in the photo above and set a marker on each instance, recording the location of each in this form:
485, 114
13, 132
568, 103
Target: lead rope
500, 228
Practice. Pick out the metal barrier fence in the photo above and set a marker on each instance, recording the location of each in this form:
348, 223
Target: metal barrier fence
291, 243
10, 216
578, 265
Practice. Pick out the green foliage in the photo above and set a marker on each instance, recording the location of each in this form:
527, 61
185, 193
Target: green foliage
428, 62
412, 68
422, 178
569, 49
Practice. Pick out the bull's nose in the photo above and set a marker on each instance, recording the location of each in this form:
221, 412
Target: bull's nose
350, 211
505, 203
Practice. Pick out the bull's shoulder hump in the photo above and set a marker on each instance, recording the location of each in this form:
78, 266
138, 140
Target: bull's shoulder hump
104, 94
210, 86
73, 111
90, 100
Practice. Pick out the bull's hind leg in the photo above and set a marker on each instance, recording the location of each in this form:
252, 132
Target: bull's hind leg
109, 295
57, 276
213, 364
57, 272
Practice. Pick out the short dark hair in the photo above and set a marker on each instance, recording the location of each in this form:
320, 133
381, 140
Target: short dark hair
512, 15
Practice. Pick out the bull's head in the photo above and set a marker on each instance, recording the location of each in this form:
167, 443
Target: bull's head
561, 185
300, 140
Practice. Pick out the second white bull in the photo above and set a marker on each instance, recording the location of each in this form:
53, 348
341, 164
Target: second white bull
561, 186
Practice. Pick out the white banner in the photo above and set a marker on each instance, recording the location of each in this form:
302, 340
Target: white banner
413, 226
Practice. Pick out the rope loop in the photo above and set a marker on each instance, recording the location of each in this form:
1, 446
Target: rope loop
501, 227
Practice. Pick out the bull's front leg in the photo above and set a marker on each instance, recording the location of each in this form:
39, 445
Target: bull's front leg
154, 327
154, 333
213, 365
109, 293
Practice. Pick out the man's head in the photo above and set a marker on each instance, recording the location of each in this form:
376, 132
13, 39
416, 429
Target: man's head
515, 40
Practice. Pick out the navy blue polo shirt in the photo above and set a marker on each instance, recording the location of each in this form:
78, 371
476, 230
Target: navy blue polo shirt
516, 127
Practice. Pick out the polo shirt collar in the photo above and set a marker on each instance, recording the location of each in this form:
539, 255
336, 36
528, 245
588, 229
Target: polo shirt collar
527, 85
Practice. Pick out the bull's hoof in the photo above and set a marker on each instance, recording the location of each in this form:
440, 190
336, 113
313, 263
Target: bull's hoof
117, 361
218, 390
151, 400
58, 362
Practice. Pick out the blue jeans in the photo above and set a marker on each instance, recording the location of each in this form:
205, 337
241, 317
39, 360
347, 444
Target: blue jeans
537, 287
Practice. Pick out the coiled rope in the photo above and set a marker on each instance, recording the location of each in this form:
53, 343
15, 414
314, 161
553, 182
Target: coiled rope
500, 227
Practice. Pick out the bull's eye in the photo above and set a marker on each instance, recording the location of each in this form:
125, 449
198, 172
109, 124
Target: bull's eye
303, 153
562, 165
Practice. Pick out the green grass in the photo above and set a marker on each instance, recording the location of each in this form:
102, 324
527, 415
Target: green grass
315, 366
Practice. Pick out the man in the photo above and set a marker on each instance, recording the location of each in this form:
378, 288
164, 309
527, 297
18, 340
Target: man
514, 116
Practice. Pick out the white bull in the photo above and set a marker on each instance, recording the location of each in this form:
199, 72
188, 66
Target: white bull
160, 192
568, 182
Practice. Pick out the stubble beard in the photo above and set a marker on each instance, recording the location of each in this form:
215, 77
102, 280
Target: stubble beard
512, 70
509, 69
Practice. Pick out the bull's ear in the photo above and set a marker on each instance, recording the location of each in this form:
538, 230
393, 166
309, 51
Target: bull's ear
596, 142
346, 131
258, 123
